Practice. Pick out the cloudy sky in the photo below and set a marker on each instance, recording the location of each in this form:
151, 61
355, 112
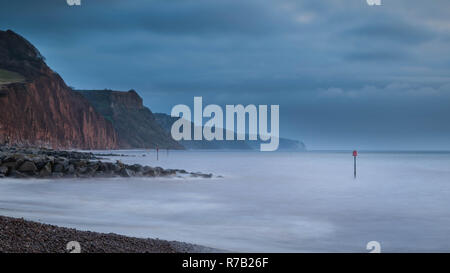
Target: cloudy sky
345, 74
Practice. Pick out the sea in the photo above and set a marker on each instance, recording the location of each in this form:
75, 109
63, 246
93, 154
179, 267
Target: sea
257, 201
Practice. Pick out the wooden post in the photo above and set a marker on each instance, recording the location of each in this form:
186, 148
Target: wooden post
157, 153
355, 154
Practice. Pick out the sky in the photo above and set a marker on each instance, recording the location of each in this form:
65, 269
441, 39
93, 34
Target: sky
345, 74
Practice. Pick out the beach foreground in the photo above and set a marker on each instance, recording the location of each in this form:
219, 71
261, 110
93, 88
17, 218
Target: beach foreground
21, 236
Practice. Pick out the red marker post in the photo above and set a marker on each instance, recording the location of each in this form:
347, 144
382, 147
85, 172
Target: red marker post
355, 154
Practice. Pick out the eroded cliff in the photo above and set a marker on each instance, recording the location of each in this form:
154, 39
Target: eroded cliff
40, 109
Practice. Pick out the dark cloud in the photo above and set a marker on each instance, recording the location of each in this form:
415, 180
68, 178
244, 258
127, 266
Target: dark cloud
186, 17
377, 56
334, 66
393, 32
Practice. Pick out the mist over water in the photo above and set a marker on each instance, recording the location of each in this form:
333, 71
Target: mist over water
265, 202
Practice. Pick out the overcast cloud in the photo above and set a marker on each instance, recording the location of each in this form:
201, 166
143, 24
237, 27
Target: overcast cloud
346, 75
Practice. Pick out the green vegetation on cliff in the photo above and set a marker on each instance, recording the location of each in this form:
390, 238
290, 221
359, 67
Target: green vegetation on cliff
7, 77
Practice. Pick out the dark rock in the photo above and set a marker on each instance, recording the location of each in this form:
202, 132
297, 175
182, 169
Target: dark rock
63, 161
119, 163
149, 172
81, 163
58, 168
11, 165
82, 170
40, 165
46, 170
51, 159
126, 173
118, 166
158, 171
71, 169
57, 175
90, 171
28, 167
3, 170
136, 168
17, 174
32, 162
201, 175
37, 160
93, 166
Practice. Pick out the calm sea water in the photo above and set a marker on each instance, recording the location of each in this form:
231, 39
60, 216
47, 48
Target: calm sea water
265, 202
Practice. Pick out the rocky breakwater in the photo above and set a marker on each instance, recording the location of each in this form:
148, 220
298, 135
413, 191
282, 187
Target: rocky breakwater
47, 163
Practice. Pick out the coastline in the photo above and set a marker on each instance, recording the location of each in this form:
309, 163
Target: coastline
18, 235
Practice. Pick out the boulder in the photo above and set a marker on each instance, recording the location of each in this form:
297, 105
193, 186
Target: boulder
58, 168
136, 167
90, 171
17, 174
93, 166
62, 161
149, 172
71, 169
46, 170
201, 175
28, 167
158, 171
11, 165
3, 170
126, 173
81, 163
57, 175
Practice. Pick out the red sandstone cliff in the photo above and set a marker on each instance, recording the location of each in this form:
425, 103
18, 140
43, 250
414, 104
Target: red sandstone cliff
42, 110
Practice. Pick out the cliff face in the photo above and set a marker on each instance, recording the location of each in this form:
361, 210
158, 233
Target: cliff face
40, 109
135, 124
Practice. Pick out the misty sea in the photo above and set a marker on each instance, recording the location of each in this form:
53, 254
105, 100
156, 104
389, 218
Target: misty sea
264, 202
